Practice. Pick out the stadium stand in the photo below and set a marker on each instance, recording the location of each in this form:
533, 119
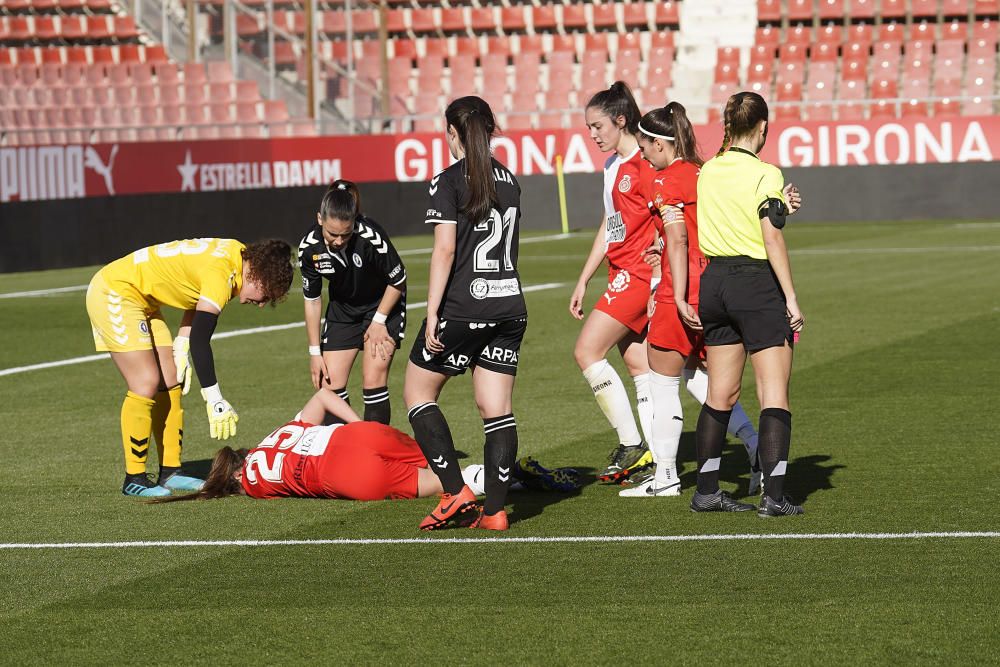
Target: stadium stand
535, 62
83, 71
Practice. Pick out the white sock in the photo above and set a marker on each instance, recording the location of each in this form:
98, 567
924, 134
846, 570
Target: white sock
475, 479
739, 424
668, 424
644, 404
613, 401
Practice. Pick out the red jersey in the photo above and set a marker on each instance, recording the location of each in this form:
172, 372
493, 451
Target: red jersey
677, 185
630, 227
288, 462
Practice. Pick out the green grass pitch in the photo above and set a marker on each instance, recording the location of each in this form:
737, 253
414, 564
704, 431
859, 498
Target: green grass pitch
895, 431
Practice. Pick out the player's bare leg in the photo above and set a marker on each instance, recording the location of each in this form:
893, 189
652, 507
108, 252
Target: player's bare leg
338, 367
375, 380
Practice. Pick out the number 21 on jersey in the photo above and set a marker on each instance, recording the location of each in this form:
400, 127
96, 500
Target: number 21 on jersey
500, 228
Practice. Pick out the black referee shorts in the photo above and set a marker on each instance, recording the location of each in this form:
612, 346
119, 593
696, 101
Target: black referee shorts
740, 301
351, 335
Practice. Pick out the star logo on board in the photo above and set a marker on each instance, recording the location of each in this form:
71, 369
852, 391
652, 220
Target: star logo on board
188, 171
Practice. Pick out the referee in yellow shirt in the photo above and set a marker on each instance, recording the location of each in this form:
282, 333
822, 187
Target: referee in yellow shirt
198, 276
747, 304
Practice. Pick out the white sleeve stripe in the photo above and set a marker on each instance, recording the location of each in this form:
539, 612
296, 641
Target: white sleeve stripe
205, 298
312, 298
432, 221
401, 280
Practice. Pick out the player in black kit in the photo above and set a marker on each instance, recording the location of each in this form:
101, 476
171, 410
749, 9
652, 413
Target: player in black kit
476, 316
367, 298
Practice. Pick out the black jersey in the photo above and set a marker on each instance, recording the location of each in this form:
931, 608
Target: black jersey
484, 284
358, 273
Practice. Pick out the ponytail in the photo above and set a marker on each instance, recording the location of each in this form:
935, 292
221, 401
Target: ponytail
341, 201
671, 122
473, 120
221, 480
618, 101
743, 112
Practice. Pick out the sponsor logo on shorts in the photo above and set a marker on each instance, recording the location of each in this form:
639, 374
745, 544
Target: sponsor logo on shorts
458, 360
144, 328
356, 258
609, 298
625, 184
305, 283
500, 354
481, 288
620, 282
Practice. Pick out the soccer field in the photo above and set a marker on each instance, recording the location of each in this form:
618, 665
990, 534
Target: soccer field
894, 432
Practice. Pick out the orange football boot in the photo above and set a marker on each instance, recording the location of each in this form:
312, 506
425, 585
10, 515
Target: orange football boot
496, 521
453, 510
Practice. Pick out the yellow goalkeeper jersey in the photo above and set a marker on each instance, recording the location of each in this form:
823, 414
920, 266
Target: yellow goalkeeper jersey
180, 273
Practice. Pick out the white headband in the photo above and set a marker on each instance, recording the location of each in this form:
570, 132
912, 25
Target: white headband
653, 134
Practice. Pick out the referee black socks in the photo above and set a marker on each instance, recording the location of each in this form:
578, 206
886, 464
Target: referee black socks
773, 443
709, 440
431, 432
377, 408
500, 454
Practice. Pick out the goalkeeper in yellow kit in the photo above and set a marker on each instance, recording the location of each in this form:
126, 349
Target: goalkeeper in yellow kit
198, 276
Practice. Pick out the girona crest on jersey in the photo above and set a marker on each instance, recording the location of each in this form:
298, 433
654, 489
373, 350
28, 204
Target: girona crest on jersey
625, 184
620, 282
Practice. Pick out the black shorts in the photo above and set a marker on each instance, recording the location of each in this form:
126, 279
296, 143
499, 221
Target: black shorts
494, 346
351, 335
740, 301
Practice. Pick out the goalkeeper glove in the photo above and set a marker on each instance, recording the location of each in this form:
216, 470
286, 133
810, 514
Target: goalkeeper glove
182, 360
221, 416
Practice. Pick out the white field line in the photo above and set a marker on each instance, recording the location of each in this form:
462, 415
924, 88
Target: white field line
499, 540
413, 251
894, 251
227, 334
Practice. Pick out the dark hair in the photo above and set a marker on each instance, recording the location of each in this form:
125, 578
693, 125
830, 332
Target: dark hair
672, 121
618, 101
341, 201
220, 481
473, 120
743, 112
269, 263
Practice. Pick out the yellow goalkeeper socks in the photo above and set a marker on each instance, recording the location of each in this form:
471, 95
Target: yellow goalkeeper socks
168, 427
137, 425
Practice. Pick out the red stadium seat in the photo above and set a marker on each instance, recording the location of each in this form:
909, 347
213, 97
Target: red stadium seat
97, 28
530, 43
564, 43
891, 32
831, 10
453, 21
769, 11
156, 53
726, 73
103, 55
19, 30
124, 28
760, 72
543, 18
482, 19
605, 17
893, 9
512, 19
52, 55
468, 46
575, 18
130, 53
800, 34
924, 9
986, 29
395, 22
956, 30
860, 33
45, 28
922, 31
947, 91
792, 52
830, 34
799, 10
954, 8
862, 10
635, 16
667, 14
823, 52
768, 35
727, 55
662, 38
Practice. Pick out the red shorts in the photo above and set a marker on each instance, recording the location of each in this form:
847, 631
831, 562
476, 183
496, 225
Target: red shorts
626, 299
371, 461
667, 331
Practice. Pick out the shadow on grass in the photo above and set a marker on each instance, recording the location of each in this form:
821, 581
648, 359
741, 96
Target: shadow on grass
530, 503
806, 474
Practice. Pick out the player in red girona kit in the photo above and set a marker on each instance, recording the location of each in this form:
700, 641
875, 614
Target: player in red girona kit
620, 315
356, 460
667, 141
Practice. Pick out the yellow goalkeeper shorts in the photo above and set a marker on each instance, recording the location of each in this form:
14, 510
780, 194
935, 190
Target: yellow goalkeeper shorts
121, 320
